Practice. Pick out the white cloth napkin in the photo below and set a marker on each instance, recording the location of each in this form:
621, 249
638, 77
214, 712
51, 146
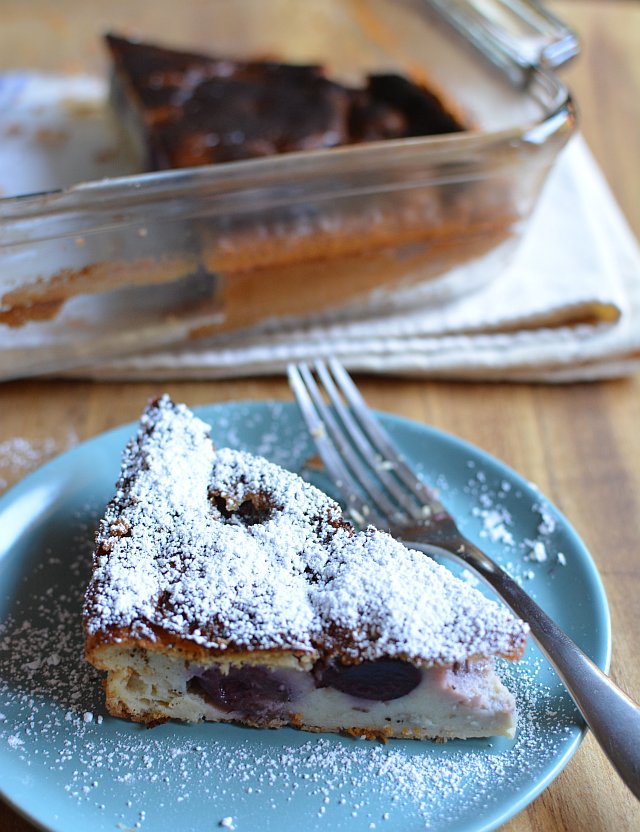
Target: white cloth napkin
566, 309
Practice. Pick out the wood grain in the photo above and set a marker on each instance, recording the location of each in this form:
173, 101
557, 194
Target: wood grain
579, 443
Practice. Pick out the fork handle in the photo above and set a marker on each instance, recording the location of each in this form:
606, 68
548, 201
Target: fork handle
612, 716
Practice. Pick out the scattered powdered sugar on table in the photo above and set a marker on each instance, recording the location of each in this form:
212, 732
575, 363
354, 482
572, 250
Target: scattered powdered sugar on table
54, 728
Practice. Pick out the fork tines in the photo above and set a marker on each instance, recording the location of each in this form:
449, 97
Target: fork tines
375, 481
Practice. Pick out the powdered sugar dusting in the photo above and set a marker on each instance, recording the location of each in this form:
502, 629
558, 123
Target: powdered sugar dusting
289, 574
523, 556
129, 778
112, 774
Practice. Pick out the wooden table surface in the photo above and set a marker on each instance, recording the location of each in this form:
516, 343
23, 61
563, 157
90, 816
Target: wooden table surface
580, 443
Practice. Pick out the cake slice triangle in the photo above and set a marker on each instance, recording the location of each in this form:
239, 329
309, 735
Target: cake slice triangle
227, 589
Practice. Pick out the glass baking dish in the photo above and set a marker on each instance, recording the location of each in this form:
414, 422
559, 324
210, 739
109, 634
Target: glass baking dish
129, 264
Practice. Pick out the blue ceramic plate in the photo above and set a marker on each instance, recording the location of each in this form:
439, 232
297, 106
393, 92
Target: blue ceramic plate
68, 766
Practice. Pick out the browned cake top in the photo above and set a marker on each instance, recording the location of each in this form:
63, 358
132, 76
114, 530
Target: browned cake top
199, 109
229, 551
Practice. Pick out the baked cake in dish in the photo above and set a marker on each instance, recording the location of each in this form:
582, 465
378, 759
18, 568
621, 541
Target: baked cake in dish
339, 233
225, 588
184, 109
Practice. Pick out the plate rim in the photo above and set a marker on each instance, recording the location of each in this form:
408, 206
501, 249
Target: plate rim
601, 634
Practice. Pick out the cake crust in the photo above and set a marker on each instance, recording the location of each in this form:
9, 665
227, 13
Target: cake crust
189, 109
221, 580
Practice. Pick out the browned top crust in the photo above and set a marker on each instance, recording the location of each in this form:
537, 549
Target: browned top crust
219, 551
198, 109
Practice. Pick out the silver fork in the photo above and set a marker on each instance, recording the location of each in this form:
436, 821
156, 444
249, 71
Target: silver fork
379, 487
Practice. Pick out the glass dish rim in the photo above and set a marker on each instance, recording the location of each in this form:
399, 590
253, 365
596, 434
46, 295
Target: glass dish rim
144, 188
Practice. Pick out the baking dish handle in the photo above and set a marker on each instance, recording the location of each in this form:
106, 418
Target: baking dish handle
518, 36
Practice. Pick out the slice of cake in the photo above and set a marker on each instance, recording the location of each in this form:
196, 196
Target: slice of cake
184, 109
225, 588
